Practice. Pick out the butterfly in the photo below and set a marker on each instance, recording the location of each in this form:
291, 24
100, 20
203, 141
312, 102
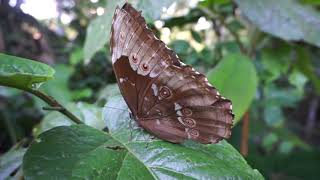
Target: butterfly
167, 98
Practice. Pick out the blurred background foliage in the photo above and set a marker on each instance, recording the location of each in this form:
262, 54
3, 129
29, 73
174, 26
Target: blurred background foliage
268, 49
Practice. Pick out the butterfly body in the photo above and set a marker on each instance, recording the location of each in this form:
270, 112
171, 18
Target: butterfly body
166, 97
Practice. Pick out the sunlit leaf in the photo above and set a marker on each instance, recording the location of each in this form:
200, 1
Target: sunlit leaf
235, 77
23, 73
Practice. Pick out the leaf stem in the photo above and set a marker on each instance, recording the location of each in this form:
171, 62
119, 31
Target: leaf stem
55, 105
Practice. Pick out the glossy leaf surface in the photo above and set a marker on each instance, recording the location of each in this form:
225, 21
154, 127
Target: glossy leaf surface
126, 152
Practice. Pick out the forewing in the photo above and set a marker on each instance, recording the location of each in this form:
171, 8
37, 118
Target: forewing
137, 55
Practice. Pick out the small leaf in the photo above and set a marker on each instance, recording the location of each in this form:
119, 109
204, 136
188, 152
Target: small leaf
81, 152
269, 140
180, 47
273, 116
286, 147
23, 73
196, 36
286, 19
236, 79
298, 79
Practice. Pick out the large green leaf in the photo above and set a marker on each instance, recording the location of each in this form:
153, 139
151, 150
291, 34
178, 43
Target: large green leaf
235, 77
23, 73
126, 152
287, 19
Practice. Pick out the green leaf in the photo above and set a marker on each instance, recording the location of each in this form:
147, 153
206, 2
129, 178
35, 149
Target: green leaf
98, 31
196, 36
269, 141
81, 152
76, 56
298, 79
305, 66
273, 115
287, 19
236, 79
181, 47
89, 114
23, 73
274, 64
10, 162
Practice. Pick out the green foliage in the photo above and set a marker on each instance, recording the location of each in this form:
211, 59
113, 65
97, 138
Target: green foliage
235, 77
115, 155
23, 73
286, 19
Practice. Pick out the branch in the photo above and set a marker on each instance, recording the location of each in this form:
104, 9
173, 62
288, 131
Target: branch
245, 134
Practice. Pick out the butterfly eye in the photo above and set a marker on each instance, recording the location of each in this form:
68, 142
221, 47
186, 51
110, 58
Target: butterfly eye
186, 112
134, 58
165, 92
189, 122
121, 35
193, 133
145, 67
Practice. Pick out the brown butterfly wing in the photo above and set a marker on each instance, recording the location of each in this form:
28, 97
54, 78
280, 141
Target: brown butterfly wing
167, 98
183, 99
148, 56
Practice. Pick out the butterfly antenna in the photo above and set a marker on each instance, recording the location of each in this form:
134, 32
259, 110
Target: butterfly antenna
116, 108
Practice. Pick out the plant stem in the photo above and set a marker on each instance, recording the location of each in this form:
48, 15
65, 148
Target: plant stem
54, 104
245, 134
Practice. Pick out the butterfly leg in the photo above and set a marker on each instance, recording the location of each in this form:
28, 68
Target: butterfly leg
130, 127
